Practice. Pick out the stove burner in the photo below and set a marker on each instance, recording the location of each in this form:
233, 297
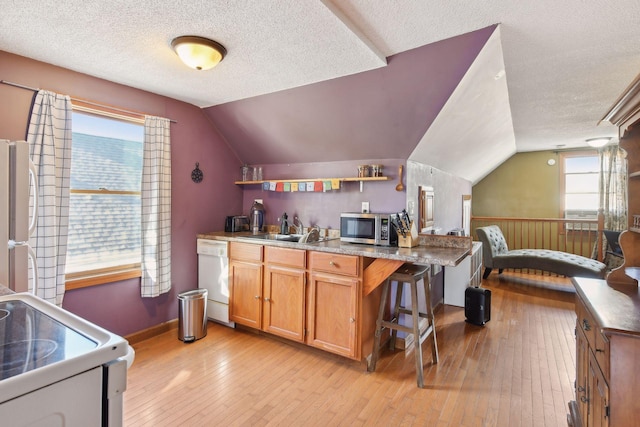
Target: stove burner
21, 356
4, 313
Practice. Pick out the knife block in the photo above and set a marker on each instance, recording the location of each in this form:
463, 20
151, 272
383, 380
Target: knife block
410, 241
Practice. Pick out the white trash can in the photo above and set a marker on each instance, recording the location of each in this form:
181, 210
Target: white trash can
192, 319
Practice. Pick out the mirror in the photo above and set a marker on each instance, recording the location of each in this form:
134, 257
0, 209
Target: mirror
426, 208
466, 214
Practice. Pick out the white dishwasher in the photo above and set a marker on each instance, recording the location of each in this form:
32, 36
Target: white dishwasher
213, 275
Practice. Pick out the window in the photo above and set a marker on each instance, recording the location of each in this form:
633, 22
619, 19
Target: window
580, 183
104, 207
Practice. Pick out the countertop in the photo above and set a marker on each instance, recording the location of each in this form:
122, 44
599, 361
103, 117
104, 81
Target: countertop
442, 250
616, 307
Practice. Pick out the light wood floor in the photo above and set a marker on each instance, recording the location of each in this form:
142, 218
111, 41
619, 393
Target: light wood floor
518, 370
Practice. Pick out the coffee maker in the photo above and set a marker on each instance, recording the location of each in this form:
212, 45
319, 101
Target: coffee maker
256, 217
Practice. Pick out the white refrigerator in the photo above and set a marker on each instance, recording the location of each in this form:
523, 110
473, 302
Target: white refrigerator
17, 217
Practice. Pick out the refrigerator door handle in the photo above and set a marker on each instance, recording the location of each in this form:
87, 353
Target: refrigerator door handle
34, 180
34, 261
34, 268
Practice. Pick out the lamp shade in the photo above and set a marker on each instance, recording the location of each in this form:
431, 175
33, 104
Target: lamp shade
197, 52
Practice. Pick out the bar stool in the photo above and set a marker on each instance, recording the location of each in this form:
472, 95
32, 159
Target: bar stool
407, 273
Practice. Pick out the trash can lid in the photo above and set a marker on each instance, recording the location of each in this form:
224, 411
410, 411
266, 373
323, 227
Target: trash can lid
193, 294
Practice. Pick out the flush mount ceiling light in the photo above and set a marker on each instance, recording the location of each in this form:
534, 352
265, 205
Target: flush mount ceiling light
598, 142
197, 52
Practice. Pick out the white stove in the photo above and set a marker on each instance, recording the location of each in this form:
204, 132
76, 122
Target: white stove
57, 368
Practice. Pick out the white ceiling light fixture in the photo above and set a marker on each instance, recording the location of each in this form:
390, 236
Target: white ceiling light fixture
598, 142
198, 53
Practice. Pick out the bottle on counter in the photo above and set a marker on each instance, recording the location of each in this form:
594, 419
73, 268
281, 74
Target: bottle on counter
284, 225
257, 217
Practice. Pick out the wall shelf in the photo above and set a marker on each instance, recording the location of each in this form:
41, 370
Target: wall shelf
344, 179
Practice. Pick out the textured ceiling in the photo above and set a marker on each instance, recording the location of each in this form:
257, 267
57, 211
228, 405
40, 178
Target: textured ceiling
566, 62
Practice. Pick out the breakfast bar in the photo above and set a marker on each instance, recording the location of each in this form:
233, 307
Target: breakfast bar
324, 294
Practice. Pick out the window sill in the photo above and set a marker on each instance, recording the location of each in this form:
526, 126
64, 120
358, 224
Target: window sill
89, 279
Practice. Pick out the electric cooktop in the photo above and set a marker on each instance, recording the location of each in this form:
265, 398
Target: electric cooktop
30, 339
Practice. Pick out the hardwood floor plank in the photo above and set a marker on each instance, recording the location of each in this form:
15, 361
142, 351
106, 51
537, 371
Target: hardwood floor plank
518, 370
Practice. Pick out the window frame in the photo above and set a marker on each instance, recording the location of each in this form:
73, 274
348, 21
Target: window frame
88, 278
563, 192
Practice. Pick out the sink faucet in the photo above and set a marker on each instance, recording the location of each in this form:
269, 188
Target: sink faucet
299, 228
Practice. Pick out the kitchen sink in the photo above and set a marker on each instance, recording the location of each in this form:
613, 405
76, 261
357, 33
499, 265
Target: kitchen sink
284, 237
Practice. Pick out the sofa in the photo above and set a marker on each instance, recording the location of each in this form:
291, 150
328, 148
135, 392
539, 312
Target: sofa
497, 255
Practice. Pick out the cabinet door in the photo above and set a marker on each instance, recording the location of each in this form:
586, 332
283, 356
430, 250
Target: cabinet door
283, 302
245, 302
332, 314
582, 370
598, 396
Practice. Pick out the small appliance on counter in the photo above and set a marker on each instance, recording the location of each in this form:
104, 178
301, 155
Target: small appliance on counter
257, 217
236, 223
368, 228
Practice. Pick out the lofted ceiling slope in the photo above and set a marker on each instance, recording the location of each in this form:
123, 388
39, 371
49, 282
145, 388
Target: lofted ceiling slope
566, 62
376, 114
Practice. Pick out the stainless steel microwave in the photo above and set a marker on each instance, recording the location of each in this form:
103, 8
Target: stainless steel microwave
368, 228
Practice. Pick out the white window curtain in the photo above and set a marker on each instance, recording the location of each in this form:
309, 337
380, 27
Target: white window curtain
613, 187
49, 137
156, 207
613, 196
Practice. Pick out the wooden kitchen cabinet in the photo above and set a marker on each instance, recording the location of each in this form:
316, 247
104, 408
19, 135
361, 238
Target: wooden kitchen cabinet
269, 296
607, 351
332, 314
312, 297
334, 291
284, 293
245, 284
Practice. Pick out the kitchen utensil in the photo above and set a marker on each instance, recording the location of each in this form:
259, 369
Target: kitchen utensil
400, 186
405, 217
404, 227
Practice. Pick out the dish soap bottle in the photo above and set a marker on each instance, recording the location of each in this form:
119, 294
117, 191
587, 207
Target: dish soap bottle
284, 225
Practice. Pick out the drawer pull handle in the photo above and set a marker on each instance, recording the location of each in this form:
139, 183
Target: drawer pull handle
599, 350
585, 325
332, 263
352, 320
580, 389
267, 299
257, 297
584, 399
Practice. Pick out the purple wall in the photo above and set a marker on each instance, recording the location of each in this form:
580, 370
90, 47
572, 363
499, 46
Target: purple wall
324, 209
195, 207
380, 114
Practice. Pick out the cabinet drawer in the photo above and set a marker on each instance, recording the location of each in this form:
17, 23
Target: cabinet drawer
285, 256
585, 322
245, 251
348, 265
601, 350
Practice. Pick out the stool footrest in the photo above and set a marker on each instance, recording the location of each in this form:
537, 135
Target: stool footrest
391, 325
407, 311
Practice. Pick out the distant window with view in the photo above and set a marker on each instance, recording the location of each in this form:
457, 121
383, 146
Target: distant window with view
581, 192
104, 208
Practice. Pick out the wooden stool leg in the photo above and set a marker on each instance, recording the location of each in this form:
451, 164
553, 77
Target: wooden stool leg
375, 354
396, 314
415, 314
430, 317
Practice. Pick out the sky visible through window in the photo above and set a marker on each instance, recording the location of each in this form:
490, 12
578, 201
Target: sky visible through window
581, 183
110, 128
